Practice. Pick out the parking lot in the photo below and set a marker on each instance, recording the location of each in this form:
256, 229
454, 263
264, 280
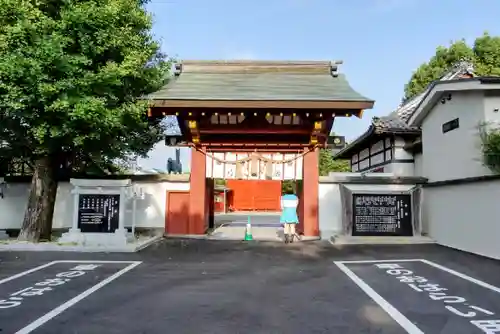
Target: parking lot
200, 286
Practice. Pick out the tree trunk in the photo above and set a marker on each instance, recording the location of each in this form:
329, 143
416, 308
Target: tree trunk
37, 223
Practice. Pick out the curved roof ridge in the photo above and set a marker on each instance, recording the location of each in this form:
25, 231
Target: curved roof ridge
257, 66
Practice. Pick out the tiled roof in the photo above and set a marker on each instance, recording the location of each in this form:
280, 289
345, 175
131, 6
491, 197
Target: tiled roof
402, 114
258, 80
397, 121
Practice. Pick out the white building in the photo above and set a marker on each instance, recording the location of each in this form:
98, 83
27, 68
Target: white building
391, 144
436, 136
460, 198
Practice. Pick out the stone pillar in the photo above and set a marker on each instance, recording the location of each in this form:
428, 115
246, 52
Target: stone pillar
310, 200
76, 197
198, 217
3, 185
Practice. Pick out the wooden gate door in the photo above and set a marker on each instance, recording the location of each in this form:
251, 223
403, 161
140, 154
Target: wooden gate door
177, 217
255, 195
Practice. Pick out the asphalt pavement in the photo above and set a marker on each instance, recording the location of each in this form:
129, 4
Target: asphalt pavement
203, 286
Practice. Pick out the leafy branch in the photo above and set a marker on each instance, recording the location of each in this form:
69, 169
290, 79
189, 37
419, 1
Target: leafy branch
490, 146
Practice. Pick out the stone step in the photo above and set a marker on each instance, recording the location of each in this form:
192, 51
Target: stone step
382, 240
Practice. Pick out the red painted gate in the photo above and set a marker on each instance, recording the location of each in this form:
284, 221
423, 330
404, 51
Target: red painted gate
255, 195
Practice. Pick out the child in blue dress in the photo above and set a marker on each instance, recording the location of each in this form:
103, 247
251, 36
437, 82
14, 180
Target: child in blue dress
289, 218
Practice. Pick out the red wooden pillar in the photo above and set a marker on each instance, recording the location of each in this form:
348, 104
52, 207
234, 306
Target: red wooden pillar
310, 193
198, 213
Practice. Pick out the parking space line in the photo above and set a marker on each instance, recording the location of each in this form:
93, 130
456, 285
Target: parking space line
21, 274
435, 265
61, 308
376, 261
92, 261
43, 266
463, 276
384, 304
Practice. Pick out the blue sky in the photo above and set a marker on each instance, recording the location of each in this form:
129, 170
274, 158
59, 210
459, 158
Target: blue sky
380, 41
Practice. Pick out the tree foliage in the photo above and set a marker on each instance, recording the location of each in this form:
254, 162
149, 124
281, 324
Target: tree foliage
327, 164
490, 146
484, 55
71, 76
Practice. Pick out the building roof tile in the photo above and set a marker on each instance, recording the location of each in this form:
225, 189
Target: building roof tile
258, 80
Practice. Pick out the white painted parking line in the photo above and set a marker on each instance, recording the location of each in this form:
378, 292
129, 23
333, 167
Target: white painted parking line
463, 276
21, 274
24, 273
433, 264
377, 261
92, 261
457, 305
384, 304
61, 308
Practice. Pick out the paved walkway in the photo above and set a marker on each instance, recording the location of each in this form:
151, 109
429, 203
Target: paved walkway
201, 286
265, 226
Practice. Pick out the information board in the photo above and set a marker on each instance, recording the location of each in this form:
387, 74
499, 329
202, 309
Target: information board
381, 215
98, 213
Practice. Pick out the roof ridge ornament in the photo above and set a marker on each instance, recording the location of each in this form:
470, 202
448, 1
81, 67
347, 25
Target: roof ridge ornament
177, 69
334, 67
464, 65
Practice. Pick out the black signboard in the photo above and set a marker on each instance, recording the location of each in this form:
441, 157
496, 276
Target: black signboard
381, 215
98, 213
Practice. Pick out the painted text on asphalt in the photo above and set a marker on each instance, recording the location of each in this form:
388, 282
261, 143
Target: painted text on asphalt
15, 299
435, 292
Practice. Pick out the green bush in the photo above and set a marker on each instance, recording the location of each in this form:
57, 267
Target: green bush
490, 146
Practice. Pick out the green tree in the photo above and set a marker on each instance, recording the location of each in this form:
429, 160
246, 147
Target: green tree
487, 55
442, 61
71, 76
484, 54
327, 164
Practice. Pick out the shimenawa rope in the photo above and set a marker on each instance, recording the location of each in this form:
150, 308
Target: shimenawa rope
256, 155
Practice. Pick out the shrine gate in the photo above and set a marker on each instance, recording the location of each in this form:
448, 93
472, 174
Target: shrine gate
255, 120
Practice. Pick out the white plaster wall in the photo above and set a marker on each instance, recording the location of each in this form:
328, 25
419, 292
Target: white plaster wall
330, 204
418, 164
400, 168
395, 168
330, 209
399, 151
150, 211
63, 208
455, 154
13, 204
465, 216
492, 107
